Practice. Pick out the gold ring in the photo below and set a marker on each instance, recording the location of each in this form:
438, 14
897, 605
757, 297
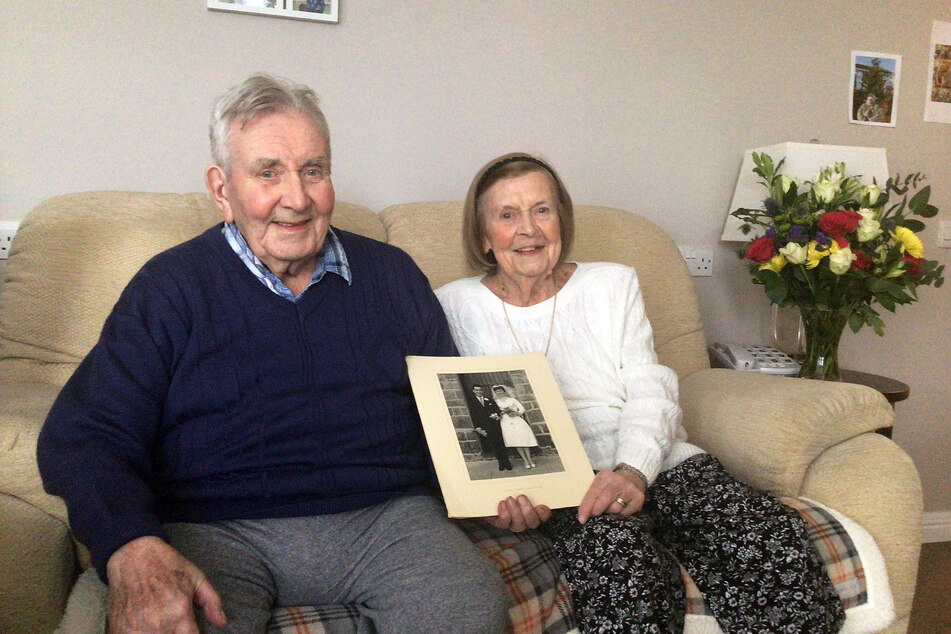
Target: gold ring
621, 501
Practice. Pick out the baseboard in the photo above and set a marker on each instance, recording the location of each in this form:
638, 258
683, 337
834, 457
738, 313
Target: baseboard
937, 527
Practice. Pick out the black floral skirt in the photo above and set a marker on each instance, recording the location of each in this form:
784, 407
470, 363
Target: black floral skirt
748, 553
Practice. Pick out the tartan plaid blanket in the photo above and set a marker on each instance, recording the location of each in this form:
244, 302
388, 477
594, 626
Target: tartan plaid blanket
539, 598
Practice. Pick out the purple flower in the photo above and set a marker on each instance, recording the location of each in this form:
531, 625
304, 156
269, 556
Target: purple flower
798, 232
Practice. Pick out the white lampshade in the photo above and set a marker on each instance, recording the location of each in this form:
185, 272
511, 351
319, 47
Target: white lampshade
804, 161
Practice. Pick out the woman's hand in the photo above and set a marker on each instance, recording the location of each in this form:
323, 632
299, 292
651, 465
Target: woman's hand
519, 515
604, 492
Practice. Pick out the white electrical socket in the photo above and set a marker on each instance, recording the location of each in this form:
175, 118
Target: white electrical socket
699, 260
8, 229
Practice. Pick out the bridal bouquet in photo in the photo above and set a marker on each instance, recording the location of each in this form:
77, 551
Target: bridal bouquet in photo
837, 248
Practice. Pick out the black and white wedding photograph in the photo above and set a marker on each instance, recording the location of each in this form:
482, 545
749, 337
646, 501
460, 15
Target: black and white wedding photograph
501, 430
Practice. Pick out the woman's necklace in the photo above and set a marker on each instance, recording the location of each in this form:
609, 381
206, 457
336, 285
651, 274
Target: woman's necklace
508, 322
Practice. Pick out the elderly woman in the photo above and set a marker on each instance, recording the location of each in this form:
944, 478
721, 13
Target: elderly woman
655, 496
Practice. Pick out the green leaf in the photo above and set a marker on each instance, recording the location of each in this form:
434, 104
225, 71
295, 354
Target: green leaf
878, 285
914, 225
919, 200
877, 325
887, 302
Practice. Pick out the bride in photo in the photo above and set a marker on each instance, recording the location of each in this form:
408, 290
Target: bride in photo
516, 432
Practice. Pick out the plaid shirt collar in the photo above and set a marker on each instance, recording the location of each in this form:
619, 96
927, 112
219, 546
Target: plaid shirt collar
331, 259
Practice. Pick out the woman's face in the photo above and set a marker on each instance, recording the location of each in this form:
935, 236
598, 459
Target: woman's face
520, 216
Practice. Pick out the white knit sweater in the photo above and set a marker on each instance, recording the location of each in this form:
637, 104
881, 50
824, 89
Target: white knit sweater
623, 403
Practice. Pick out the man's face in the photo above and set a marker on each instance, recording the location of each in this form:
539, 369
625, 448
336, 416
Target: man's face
278, 191
477, 391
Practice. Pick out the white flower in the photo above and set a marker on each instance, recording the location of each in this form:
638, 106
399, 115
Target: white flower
795, 253
785, 182
834, 173
872, 191
841, 260
825, 191
869, 227
828, 182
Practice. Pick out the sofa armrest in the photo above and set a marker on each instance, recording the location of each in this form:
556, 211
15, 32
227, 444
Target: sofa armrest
871, 480
38, 558
767, 430
38, 564
23, 409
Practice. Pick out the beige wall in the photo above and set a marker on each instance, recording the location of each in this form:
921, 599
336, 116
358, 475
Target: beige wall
641, 105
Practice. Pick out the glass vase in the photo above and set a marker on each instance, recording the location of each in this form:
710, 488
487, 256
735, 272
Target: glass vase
823, 328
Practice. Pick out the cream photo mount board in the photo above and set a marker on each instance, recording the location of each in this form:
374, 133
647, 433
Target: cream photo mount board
474, 488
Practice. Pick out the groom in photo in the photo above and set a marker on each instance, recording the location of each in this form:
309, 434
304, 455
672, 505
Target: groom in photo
486, 418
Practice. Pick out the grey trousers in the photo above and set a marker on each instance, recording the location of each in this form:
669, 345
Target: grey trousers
402, 563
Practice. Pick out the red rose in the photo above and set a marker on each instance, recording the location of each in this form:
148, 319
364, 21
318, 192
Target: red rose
761, 250
861, 261
835, 223
912, 265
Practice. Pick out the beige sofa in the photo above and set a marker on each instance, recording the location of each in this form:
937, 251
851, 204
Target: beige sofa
74, 254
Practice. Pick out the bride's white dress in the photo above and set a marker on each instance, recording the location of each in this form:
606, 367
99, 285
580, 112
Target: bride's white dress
515, 431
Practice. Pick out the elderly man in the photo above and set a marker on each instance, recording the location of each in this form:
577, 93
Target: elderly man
870, 110
243, 435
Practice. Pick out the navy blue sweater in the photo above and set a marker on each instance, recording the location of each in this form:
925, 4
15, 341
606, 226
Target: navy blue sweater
210, 397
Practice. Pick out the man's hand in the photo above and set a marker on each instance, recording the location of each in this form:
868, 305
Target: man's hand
481, 431
604, 492
152, 588
519, 515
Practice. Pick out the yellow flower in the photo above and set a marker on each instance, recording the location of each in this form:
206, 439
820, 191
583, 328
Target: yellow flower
910, 243
775, 263
815, 253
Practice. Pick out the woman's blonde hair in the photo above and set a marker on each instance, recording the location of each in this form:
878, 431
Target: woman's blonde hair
473, 222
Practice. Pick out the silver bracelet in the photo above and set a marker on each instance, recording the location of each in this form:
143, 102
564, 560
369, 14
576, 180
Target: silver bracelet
622, 466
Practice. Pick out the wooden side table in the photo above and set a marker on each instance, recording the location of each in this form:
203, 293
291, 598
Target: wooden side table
892, 389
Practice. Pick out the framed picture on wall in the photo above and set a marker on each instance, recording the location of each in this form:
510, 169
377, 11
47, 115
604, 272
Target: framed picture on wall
938, 99
873, 90
497, 426
319, 10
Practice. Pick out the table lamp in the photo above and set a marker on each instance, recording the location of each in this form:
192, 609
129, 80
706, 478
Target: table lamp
804, 161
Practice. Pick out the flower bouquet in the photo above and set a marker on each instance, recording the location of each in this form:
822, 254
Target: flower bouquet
837, 248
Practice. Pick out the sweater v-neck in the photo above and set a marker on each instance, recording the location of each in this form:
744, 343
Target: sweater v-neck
565, 295
239, 272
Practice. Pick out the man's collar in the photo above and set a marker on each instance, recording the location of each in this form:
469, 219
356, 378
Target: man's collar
331, 259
